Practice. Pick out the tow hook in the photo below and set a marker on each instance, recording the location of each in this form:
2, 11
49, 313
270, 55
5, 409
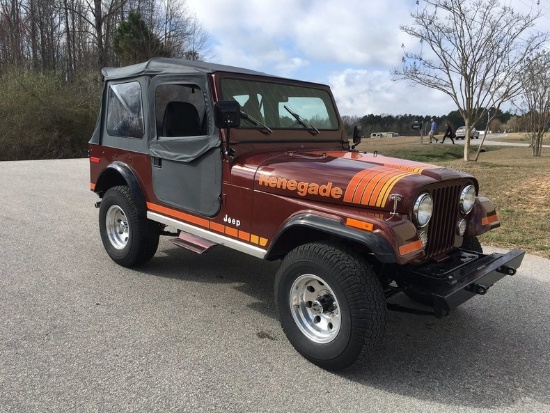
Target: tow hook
97, 204
506, 270
479, 289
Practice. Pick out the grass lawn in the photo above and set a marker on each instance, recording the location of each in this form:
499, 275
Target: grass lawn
516, 182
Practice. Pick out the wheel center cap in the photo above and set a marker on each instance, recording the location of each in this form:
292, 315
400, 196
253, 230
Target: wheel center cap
317, 307
323, 304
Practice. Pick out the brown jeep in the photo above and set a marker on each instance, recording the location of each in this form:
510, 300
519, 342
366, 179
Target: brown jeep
218, 155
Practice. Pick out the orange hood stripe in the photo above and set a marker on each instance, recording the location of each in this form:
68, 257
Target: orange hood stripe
356, 186
414, 169
385, 191
373, 186
373, 189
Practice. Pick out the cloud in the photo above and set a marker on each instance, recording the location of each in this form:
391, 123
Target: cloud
360, 92
353, 31
352, 45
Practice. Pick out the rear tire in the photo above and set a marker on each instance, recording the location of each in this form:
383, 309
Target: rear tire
331, 305
128, 238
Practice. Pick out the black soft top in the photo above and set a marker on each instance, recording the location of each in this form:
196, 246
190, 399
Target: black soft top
163, 65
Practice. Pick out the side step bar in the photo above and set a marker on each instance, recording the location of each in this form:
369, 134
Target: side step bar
192, 242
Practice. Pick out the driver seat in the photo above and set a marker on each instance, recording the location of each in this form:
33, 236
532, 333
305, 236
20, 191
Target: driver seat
181, 119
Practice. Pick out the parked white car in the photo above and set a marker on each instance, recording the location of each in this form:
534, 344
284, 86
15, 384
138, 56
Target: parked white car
461, 133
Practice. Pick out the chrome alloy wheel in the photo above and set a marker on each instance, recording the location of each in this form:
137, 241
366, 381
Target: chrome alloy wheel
314, 308
117, 228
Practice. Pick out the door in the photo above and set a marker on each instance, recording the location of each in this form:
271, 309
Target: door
185, 154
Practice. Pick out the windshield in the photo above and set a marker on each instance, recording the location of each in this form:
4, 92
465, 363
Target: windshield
269, 104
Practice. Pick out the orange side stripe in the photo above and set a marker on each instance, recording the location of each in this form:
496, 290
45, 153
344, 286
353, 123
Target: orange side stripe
217, 227
233, 232
177, 214
92, 186
245, 236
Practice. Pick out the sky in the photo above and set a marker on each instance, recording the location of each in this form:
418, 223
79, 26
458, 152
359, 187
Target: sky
350, 45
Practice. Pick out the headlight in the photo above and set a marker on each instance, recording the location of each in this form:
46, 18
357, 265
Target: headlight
467, 199
422, 209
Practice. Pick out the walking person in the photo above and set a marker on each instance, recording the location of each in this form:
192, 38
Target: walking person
449, 133
433, 130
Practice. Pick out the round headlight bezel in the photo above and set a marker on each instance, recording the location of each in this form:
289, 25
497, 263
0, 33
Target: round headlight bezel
423, 237
423, 210
461, 226
467, 199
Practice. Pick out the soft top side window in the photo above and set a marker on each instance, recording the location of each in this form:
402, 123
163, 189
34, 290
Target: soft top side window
180, 110
125, 110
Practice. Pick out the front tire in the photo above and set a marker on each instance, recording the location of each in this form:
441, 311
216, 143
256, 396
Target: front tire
128, 238
331, 305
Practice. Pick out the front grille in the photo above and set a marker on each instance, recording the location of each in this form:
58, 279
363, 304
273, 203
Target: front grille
442, 228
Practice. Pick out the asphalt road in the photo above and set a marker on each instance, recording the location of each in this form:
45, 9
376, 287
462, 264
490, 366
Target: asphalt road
199, 333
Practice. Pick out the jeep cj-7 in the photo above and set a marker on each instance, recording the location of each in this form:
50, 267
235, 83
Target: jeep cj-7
217, 155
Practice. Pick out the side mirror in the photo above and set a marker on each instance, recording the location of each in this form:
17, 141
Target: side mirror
357, 134
227, 114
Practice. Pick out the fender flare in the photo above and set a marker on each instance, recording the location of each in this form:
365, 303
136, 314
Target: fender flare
131, 180
378, 245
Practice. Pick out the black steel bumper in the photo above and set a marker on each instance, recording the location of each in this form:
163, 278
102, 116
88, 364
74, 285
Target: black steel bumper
462, 276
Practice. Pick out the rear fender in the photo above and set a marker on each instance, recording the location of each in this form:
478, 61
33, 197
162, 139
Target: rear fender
119, 173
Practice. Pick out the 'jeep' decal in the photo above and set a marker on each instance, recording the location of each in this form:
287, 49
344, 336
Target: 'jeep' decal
300, 187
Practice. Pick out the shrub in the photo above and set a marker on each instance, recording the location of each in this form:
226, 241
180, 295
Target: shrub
43, 117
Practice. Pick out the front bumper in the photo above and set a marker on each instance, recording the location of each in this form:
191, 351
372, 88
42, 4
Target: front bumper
461, 276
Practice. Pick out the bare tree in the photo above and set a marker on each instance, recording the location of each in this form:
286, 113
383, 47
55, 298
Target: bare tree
180, 31
536, 98
474, 50
65, 36
101, 18
11, 32
196, 47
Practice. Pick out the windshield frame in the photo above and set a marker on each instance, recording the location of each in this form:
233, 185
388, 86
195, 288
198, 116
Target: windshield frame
274, 110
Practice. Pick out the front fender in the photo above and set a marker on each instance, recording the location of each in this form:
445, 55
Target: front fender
308, 227
484, 217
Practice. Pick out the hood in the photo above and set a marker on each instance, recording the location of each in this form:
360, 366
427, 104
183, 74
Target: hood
344, 177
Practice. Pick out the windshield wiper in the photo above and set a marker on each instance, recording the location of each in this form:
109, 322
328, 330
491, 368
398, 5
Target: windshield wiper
256, 122
312, 129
